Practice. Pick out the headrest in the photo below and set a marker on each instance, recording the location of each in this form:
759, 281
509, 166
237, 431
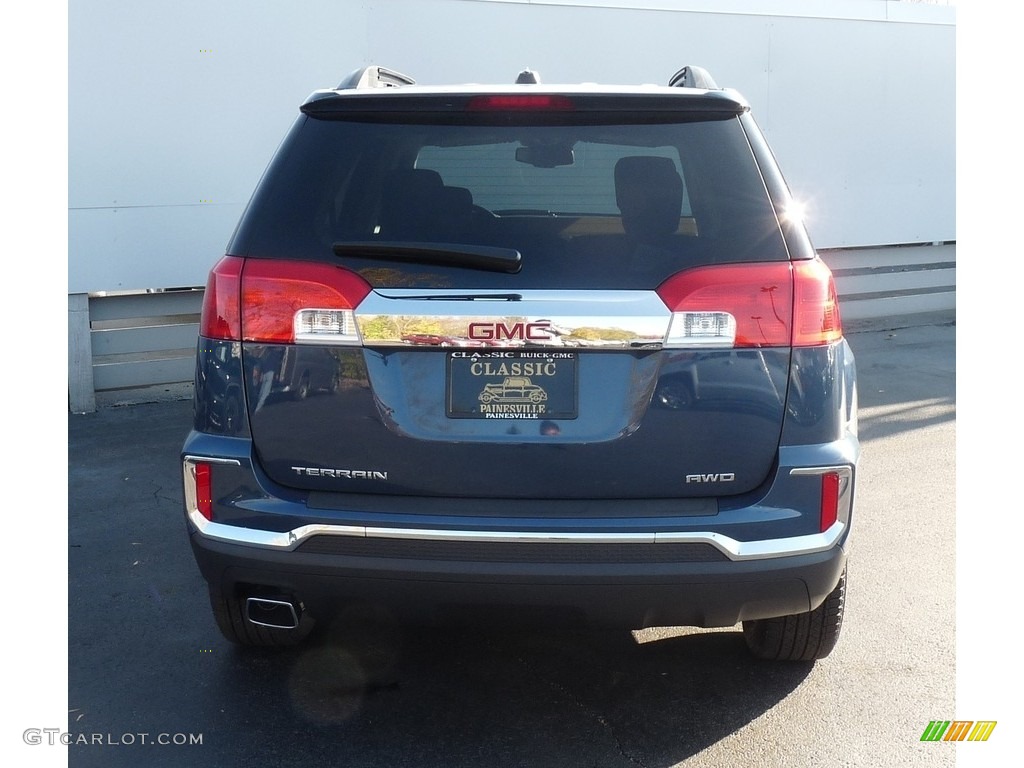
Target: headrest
457, 197
411, 181
409, 201
649, 193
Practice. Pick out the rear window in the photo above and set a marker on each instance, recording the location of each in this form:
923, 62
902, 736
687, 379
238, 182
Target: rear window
587, 206
498, 182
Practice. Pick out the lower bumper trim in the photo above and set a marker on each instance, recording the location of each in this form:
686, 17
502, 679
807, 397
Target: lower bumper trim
735, 550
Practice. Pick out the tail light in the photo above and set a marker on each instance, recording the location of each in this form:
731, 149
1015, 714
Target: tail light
816, 318
221, 318
774, 304
733, 305
282, 301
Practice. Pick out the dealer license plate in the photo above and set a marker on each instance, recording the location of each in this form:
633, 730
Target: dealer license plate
512, 385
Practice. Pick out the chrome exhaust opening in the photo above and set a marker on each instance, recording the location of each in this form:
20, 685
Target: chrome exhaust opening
276, 614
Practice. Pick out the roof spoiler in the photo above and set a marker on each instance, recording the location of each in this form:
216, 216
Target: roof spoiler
375, 77
693, 77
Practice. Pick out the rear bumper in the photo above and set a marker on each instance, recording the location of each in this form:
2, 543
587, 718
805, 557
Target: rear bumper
637, 569
631, 595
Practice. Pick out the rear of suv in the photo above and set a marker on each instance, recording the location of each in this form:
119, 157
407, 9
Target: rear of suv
536, 352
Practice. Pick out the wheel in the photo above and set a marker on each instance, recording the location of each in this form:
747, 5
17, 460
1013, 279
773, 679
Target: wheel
232, 414
302, 392
229, 613
800, 636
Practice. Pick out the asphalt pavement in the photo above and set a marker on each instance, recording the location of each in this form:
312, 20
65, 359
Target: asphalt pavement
147, 665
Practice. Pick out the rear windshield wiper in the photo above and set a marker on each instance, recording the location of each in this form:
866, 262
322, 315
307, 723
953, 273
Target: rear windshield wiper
446, 254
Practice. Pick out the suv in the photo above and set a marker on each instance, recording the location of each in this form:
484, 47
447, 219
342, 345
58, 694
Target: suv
627, 251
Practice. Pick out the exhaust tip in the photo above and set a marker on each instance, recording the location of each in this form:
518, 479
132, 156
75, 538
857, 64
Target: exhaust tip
276, 614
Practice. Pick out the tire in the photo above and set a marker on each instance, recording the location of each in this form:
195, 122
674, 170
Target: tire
232, 414
302, 392
800, 636
229, 613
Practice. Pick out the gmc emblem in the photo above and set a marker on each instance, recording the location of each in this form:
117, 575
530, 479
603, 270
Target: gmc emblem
520, 331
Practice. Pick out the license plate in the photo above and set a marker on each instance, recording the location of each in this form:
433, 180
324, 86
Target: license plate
512, 385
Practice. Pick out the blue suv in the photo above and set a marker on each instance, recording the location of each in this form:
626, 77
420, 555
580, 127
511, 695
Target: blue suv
527, 352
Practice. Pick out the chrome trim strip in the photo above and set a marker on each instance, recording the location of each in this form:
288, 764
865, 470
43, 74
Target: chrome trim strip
524, 537
761, 550
840, 469
731, 548
534, 318
211, 460
287, 540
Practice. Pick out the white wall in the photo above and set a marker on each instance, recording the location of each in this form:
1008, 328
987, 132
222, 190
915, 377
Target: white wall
176, 108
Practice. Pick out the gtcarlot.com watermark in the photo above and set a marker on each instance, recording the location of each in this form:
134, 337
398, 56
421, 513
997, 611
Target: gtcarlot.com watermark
54, 736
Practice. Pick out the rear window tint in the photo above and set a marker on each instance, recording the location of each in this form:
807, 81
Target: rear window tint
587, 206
499, 182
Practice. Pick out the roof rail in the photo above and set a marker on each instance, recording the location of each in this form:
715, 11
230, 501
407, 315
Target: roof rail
375, 77
693, 77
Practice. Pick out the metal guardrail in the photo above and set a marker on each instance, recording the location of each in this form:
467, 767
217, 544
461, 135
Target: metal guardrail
134, 347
